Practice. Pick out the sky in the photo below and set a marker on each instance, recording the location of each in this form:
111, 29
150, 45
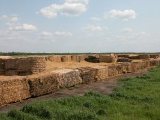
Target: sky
79, 26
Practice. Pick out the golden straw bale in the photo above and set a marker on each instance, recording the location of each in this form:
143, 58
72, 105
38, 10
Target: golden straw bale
66, 58
112, 71
55, 58
13, 90
67, 77
25, 66
136, 66
101, 72
42, 84
87, 74
74, 58
107, 58
154, 62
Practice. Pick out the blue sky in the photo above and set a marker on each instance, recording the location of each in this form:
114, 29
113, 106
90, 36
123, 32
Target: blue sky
80, 25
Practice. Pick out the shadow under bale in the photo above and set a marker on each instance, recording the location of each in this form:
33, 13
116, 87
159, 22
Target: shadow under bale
92, 59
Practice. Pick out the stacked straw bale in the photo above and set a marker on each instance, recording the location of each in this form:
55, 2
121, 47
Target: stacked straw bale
38, 64
101, 72
55, 58
154, 62
25, 66
74, 58
136, 66
107, 58
67, 77
140, 57
155, 56
144, 56
82, 58
66, 58
42, 84
87, 74
112, 71
123, 68
2, 69
119, 68
13, 90
122, 56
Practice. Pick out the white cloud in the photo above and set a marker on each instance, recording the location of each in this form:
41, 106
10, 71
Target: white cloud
57, 33
23, 27
95, 19
127, 30
11, 18
123, 14
14, 19
47, 33
63, 33
94, 28
69, 7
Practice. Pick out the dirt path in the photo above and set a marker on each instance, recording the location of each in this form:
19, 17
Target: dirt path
104, 87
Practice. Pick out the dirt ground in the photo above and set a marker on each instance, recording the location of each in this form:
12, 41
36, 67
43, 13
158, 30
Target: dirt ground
104, 87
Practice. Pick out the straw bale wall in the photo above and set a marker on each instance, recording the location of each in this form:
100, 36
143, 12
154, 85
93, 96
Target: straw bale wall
13, 90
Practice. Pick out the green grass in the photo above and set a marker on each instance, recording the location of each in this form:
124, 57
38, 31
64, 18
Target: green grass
135, 99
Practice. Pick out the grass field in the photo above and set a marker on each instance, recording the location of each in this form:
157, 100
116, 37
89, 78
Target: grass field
135, 99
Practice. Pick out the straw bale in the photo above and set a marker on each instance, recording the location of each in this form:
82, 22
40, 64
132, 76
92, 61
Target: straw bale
74, 58
127, 68
107, 58
13, 90
120, 69
101, 72
122, 56
154, 62
155, 56
38, 64
144, 56
25, 66
67, 77
112, 71
55, 58
87, 74
2, 70
42, 84
136, 66
66, 58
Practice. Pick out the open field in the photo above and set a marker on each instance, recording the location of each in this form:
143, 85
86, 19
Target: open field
135, 99
23, 78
